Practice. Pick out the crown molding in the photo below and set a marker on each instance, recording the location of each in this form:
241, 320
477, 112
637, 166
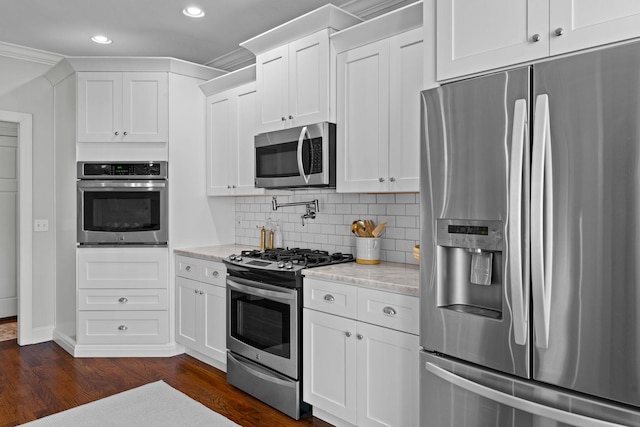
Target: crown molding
28, 54
234, 60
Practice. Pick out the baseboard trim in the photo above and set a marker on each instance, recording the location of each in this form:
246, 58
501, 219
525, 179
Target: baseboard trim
207, 359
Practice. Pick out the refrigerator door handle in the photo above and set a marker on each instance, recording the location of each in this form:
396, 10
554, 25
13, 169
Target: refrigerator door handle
541, 221
519, 138
517, 402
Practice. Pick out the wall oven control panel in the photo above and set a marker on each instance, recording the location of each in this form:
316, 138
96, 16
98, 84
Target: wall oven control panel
122, 170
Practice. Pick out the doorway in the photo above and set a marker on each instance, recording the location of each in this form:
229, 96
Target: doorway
24, 221
8, 220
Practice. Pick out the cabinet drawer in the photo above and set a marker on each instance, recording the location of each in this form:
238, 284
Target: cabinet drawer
122, 299
123, 327
330, 297
214, 273
395, 311
187, 267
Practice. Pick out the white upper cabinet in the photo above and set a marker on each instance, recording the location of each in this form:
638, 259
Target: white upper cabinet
475, 36
293, 83
231, 123
123, 106
378, 115
293, 64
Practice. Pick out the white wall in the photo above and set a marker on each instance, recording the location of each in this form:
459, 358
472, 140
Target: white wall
16, 72
36, 97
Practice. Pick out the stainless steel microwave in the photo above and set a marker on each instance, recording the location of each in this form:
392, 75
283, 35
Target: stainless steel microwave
298, 157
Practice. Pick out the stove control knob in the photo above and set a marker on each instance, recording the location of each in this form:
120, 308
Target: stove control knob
238, 258
280, 264
288, 265
232, 257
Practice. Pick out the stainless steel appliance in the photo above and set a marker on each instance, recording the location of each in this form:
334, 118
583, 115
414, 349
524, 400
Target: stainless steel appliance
530, 237
124, 203
297, 157
264, 332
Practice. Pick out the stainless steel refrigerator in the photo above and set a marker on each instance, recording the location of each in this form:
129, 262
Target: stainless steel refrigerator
530, 245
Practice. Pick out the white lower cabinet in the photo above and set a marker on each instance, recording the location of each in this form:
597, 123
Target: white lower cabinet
201, 308
122, 296
358, 373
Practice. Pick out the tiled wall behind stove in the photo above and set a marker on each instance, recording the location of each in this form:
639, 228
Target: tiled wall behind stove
331, 229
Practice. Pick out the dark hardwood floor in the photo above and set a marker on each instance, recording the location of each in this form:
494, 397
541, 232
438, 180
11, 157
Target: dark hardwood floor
42, 379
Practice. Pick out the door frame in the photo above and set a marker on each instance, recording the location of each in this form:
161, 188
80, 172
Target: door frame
25, 219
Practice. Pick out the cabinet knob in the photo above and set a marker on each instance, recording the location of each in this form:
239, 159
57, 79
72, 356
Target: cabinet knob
195, 291
122, 328
329, 297
201, 292
123, 300
359, 336
188, 268
392, 179
348, 334
290, 117
559, 31
233, 186
215, 273
125, 133
381, 179
117, 133
389, 310
228, 186
535, 38
283, 118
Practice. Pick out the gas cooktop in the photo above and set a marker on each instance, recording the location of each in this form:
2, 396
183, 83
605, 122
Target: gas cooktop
293, 259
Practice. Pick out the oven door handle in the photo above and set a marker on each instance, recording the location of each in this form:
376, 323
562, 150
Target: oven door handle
122, 184
258, 289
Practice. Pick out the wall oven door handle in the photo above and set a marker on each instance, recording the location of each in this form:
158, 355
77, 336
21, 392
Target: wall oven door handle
303, 134
258, 289
122, 184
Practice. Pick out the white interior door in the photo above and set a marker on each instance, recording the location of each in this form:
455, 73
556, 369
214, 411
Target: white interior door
8, 216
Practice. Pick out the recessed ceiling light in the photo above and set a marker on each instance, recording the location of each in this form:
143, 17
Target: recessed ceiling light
101, 40
193, 12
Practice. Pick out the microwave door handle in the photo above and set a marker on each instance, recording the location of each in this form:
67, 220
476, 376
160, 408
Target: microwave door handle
304, 132
541, 222
519, 298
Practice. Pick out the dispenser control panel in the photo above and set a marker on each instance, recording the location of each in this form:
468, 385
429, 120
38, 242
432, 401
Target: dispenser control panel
470, 234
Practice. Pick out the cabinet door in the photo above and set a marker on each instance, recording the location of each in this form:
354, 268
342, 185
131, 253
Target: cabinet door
246, 113
220, 154
474, 36
309, 80
145, 107
363, 118
187, 306
99, 107
213, 322
329, 354
405, 82
388, 383
583, 24
272, 70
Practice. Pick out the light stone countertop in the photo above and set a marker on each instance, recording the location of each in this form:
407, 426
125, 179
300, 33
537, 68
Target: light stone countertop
386, 276
213, 253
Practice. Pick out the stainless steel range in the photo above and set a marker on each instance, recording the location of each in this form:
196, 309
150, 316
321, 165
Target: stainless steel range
264, 331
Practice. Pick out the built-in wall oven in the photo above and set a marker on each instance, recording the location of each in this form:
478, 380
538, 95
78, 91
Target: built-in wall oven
264, 330
124, 203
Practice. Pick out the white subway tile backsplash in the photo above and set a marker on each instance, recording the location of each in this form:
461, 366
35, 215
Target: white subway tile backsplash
331, 229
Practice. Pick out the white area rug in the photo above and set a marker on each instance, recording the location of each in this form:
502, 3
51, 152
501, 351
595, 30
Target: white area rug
154, 404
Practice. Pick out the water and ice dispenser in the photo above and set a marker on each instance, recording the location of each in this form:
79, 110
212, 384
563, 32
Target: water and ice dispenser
469, 258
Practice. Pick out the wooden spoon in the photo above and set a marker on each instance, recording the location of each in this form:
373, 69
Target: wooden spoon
379, 229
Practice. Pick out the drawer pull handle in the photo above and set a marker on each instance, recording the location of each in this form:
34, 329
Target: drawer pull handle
123, 300
215, 273
188, 268
329, 297
389, 310
122, 328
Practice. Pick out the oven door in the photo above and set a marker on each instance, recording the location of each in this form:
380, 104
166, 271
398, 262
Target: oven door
122, 212
262, 324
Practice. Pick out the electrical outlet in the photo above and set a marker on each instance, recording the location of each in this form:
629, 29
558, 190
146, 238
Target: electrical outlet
40, 225
239, 221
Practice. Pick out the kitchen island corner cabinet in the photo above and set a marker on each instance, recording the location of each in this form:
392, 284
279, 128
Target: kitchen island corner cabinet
360, 351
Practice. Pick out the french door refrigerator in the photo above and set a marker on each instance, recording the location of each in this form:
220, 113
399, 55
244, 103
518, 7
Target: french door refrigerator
530, 245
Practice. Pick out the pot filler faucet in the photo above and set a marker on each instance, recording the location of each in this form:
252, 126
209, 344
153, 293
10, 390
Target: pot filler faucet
312, 207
